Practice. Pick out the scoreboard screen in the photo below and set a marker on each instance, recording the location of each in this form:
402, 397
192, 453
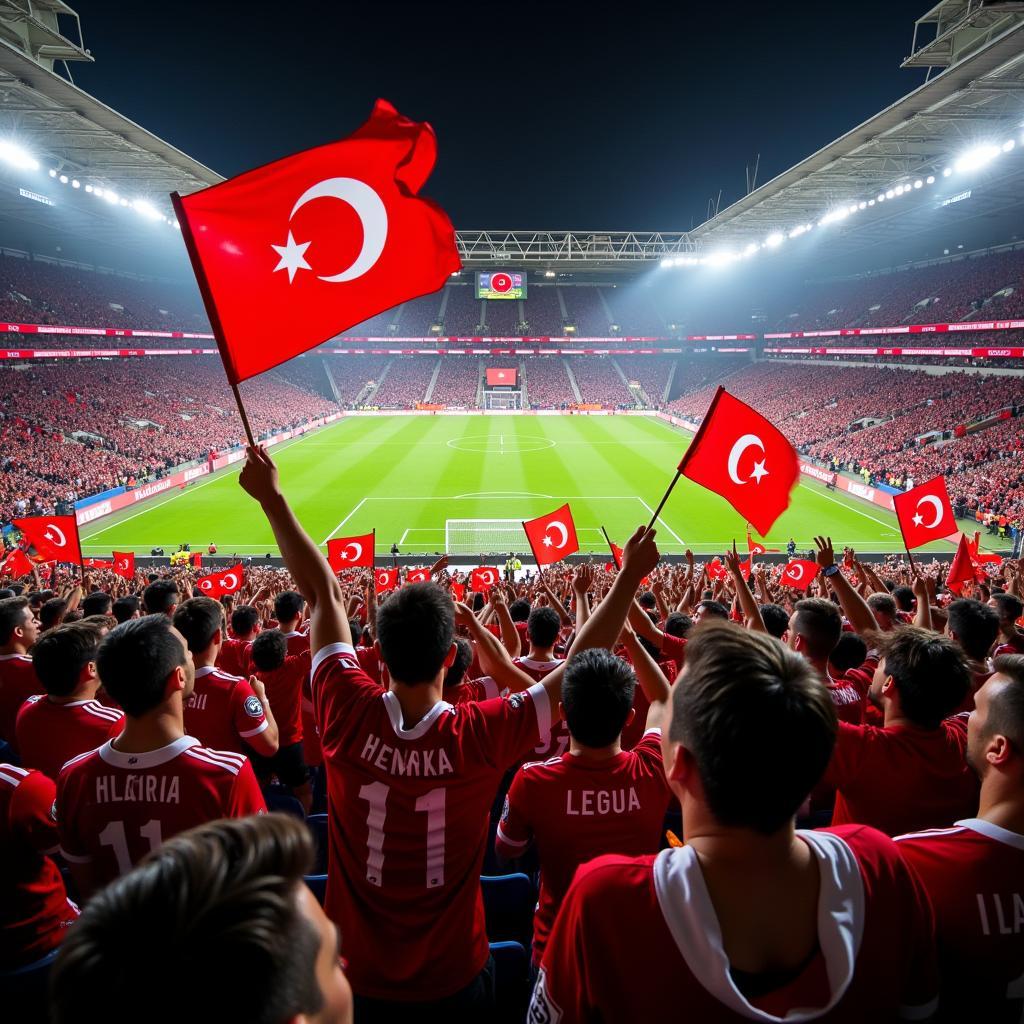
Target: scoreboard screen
501, 378
500, 284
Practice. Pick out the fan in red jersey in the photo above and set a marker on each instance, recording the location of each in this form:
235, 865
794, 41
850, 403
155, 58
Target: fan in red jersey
552, 537
118, 803
220, 583
351, 552
745, 878
19, 630
973, 870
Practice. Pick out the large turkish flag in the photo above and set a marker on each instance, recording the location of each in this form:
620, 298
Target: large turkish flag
124, 564
552, 537
740, 455
294, 252
55, 538
925, 513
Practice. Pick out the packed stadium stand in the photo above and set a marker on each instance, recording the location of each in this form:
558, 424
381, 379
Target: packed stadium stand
405, 382
547, 383
600, 382
462, 313
542, 310
457, 382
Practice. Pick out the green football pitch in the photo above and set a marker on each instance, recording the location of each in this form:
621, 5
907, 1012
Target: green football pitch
404, 476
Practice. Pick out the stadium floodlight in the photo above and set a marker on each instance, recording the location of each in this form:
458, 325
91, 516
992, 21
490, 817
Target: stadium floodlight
175, 224
871, 202
919, 183
775, 239
977, 157
53, 173
63, 179
889, 193
1008, 145
123, 202
721, 258
947, 172
668, 263
88, 188
751, 248
861, 205
146, 209
881, 197
549, 273
14, 155
75, 183
853, 207
930, 180
110, 196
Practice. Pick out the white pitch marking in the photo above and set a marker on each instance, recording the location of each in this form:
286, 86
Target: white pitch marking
662, 521
852, 508
344, 521
404, 535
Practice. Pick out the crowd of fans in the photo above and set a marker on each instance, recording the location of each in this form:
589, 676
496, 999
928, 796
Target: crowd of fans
600, 383
686, 784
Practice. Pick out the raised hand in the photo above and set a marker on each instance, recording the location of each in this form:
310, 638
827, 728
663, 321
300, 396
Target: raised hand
640, 554
826, 555
259, 475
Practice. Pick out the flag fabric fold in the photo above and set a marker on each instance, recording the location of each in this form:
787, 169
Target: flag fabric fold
799, 573
420, 575
925, 513
962, 569
124, 564
552, 537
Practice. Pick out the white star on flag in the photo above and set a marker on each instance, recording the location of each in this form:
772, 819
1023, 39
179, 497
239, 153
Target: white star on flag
918, 519
293, 256
759, 471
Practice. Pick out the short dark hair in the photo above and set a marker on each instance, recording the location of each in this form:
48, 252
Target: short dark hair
135, 659
6, 592
97, 603
648, 600
929, 671
776, 619
160, 597
1009, 607
519, 609
269, 650
1006, 711
244, 619
597, 695
197, 620
125, 607
12, 615
883, 603
415, 629
52, 612
818, 621
757, 720
904, 598
463, 659
288, 605
217, 901
713, 610
542, 627
60, 654
975, 624
678, 624
850, 652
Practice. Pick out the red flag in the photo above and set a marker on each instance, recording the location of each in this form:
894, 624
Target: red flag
738, 454
552, 537
717, 571
197, 559
756, 547
925, 513
15, 564
219, 583
124, 564
418, 576
483, 578
799, 573
351, 552
385, 579
978, 556
616, 562
97, 563
961, 571
55, 538
325, 239
458, 591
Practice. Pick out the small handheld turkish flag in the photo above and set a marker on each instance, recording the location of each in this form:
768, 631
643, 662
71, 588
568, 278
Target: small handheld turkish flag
385, 579
738, 454
799, 573
97, 563
55, 538
978, 556
15, 564
483, 578
219, 583
552, 537
326, 239
717, 571
351, 552
925, 513
417, 576
962, 569
124, 564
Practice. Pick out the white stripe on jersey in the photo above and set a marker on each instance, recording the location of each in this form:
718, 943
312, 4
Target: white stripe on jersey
929, 833
536, 764
13, 779
77, 757
226, 765
229, 756
101, 711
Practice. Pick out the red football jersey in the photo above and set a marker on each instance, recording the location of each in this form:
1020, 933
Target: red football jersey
311, 753
34, 905
556, 741
18, 681
408, 814
974, 875
484, 688
846, 698
222, 711
575, 809
284, 688
651, 919
899, 778
234, 657
1014, 646
673, 648
50, 734
113, 807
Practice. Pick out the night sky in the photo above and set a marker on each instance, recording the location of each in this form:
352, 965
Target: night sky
548, 115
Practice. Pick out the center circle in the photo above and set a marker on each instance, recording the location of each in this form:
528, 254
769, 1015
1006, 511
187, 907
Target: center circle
487, 444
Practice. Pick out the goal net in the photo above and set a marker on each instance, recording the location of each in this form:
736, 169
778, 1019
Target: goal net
484, 536
503, 399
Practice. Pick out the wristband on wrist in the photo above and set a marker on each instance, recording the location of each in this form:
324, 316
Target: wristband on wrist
830, 570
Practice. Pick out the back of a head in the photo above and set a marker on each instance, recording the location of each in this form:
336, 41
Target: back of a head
975, 626
819, 623
214, 903
288, 605
135, 660
160, 597
12, 615
758, 722
244, 619
1006, 707
850, 652
597, 696
929, 671
125, 608
678, 624
52, 612
269, 650
904, 598
1008, 607
59, 656
710, 609
519, 609
882, 604
463, 659
97, 603
542, 627
415, 629
197, 620
776, 619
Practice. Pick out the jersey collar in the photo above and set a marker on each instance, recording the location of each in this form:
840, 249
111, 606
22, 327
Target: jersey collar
996, 832
147, 758
394, 710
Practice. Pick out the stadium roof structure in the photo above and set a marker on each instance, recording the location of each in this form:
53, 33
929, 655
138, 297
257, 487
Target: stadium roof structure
976, 99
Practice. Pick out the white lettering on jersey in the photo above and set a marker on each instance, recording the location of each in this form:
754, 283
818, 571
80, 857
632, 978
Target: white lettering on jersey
591, 802
197, 702
424, 764
1007, 913
150, 789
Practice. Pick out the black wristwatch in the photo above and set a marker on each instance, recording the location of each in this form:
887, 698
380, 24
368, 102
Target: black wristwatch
830, 570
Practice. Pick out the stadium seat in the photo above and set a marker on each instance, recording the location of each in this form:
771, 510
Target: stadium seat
511, 979
509, 902
23, 991
283, 802
317, 886
318, 826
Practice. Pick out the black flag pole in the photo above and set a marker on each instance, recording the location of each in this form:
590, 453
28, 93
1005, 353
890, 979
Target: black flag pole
211, 309
661, 504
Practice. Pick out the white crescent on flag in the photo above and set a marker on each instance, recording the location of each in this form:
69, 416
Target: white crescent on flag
122, 563
206, 584
563, 532
356, 554
234, 581
795, 573
60, 533
933, 500
745, 442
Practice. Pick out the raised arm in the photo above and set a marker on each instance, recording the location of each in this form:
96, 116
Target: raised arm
510, 639
855, 608
748, 606
312, 575
650, 677
494, 659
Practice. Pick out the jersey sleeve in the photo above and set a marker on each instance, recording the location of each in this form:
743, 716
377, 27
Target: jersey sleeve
673, 648
848, 754
514, 829
245, 796
338, 685
72, 846
514, 725
32, 812
919, 997
247, 711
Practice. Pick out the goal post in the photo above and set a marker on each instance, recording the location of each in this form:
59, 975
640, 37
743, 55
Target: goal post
484, 536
